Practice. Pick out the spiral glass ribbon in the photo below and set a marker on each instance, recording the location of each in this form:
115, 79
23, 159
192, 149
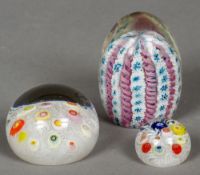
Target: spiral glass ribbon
140, 71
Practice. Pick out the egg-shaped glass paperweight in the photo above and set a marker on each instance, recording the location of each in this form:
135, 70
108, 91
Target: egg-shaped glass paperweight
140, 71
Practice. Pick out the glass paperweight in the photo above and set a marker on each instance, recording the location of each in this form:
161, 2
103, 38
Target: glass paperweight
51, 125
140, 71
163, 143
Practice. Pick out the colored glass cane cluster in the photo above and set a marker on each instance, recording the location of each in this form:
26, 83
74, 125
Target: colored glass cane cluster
163, 143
